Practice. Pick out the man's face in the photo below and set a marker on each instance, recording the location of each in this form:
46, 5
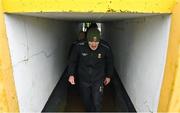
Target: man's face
93, 45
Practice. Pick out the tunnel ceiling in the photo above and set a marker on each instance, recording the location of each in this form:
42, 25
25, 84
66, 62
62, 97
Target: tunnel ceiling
99, 17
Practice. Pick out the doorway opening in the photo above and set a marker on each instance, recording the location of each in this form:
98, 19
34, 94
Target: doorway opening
39, 43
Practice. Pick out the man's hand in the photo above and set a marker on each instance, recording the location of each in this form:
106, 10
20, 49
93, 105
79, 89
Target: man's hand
71, 80
107, 81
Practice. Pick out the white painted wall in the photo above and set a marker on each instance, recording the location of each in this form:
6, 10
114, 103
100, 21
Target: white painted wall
38, 49
139, 47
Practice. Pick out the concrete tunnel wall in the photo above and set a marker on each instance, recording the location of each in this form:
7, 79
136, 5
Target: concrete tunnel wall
139, 47
38, 49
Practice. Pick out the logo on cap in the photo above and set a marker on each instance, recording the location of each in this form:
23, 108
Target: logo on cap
94, 39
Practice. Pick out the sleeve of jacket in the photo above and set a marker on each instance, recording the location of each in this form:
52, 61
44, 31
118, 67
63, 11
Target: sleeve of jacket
73, 60
109, 63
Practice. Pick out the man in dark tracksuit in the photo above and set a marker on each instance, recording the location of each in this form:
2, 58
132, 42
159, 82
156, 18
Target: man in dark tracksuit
82, 36
94, 68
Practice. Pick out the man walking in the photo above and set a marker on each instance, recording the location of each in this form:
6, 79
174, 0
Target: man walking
94, 63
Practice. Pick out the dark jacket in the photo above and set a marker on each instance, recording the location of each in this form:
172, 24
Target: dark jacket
91, 65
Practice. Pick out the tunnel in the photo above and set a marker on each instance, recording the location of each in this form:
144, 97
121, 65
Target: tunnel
39, 44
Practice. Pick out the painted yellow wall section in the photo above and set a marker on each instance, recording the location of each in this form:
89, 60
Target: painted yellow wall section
3, 100
144, 6
169, 98
174, 105
8, 98
170, 92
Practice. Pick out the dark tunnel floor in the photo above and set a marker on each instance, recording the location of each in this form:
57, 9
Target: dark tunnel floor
66, 98
74, 102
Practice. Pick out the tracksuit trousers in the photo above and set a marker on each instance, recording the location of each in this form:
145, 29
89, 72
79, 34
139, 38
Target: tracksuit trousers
92, 95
